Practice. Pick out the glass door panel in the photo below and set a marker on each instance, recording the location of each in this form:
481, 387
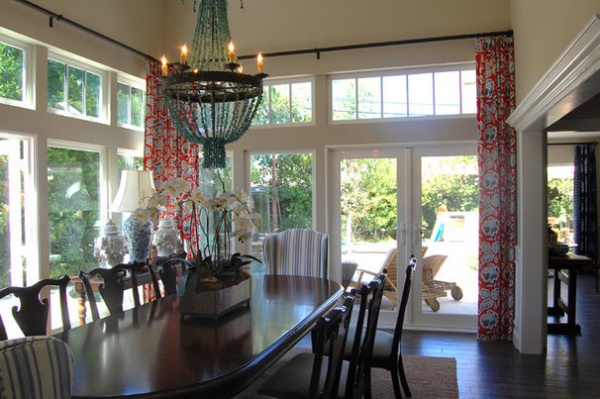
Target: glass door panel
448, 233
368, 219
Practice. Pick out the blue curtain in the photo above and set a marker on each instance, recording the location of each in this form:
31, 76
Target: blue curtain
586, 214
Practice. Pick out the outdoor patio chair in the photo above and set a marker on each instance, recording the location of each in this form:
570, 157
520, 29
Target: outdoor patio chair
432, 288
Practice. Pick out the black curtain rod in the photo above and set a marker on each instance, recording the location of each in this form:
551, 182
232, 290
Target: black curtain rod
54, 16
575, 143
316, 51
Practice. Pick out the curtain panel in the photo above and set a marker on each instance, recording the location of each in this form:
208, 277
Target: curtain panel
166, 152
585, 209
497, 187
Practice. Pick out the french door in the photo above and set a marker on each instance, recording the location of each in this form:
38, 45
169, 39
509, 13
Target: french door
18, 238
390, 203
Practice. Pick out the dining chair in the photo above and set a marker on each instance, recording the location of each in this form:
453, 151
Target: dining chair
32, 314
300, 252
314, 375
112, 288
39, 367
387, 353
166, 267
359, 351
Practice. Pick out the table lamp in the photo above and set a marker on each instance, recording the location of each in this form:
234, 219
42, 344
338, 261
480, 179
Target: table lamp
136, 187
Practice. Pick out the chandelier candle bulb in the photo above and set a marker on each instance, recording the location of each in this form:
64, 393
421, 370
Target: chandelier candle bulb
184, 55
231, 52
259, 63
165, 67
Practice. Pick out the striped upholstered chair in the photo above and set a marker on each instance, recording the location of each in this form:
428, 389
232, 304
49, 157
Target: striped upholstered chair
38, 367
300, 252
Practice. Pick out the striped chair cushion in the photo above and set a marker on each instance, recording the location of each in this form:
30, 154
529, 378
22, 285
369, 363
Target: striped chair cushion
300, 252
37, 367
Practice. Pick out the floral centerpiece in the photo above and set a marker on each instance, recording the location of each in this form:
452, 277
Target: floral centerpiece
209, 221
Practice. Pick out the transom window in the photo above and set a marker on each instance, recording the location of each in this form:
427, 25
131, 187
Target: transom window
286, 102
15, 88
131, 104
76, 90
438, 92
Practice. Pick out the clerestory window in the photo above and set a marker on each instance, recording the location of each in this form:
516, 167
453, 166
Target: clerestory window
76, 90
16, 83
439, 91
286, 103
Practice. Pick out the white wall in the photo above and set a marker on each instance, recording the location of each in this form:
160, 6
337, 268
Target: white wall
543, 30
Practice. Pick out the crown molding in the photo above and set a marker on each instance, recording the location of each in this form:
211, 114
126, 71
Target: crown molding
571, 80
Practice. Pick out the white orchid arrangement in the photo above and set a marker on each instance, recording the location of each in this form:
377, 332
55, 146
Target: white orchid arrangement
207, 227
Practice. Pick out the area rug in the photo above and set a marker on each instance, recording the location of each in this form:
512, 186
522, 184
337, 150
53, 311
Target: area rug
428, 377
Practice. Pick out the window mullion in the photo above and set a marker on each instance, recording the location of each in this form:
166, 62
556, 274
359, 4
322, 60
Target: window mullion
129, 105
460, 97
291, 104
407, 96
66, 87
433, 93
356, 99
84, 94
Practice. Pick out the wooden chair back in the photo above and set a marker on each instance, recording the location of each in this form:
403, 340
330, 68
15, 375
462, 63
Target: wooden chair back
358, 382
32, 314
329, 336
167, 269
410, 272
112, 287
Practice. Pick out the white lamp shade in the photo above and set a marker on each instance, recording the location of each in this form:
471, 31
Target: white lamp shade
136, 187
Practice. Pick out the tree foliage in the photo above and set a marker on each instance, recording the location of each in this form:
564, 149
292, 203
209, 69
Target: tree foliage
369, 193
560, 201
11, 71
287, 183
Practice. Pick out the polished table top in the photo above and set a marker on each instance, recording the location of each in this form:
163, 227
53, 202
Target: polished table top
151, 352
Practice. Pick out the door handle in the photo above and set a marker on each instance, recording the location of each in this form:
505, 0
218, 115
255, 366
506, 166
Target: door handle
402, 233
418, 233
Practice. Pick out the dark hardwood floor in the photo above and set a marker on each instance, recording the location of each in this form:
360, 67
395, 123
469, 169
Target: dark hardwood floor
569, 369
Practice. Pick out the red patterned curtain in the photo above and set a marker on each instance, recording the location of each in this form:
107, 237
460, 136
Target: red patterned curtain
497, 187
166, 152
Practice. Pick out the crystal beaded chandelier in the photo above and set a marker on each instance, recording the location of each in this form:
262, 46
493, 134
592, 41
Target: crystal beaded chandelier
211, 101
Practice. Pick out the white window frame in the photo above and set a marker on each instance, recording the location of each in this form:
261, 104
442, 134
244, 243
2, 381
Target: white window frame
103, 151
394, 72
28, 73
136, 83
290, 81
104, 88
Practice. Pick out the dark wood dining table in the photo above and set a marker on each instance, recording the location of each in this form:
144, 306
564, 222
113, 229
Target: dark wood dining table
151, 352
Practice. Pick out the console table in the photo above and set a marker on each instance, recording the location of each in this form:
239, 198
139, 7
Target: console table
565, 272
